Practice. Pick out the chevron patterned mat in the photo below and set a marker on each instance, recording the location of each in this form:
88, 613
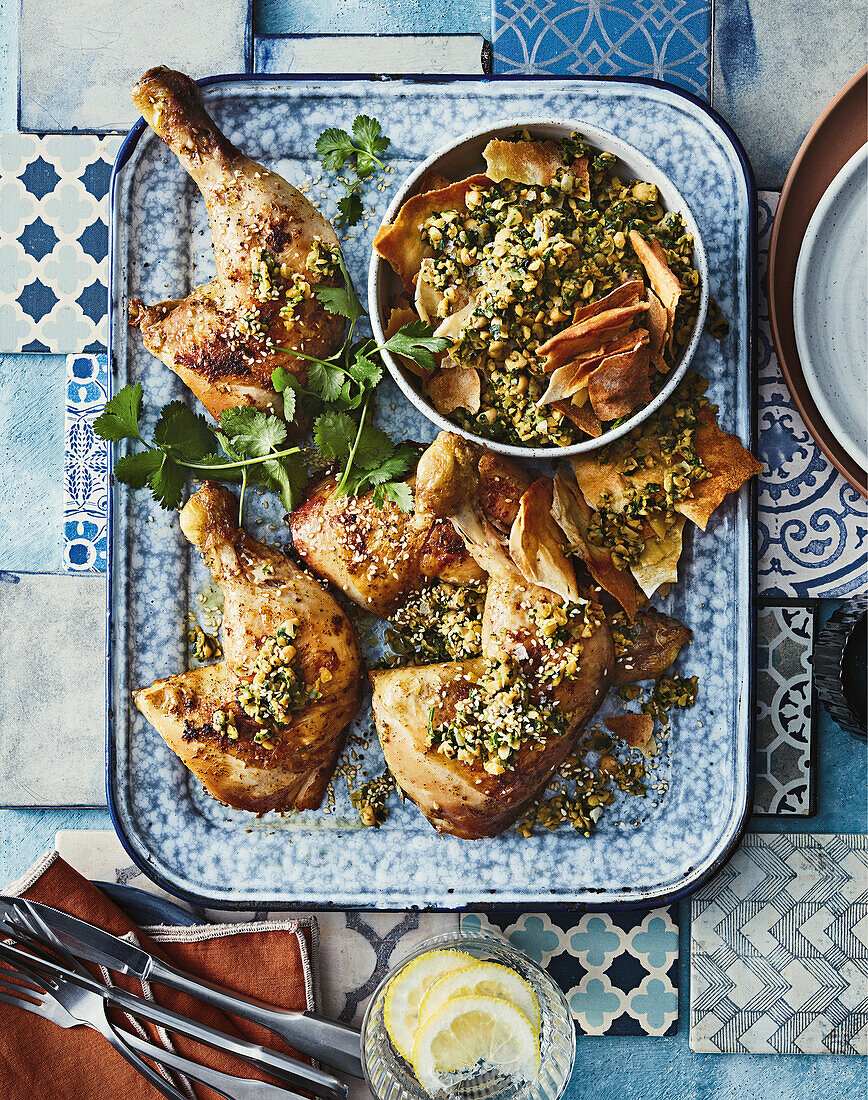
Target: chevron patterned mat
779, 949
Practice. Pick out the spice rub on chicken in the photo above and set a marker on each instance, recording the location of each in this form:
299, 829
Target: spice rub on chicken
262, 728
272, 247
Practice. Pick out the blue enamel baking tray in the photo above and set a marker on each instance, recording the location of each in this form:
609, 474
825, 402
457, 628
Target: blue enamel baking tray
646, 851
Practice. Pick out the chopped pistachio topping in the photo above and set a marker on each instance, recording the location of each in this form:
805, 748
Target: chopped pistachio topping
298, 290
670, 692
624, 633
275, 691
440, 623
203, 646
501, 712
370, 799
323, 259
526, 256
563, 628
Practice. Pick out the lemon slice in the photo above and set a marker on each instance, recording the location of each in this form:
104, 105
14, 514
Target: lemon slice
475, 1031
406, 990
488, 979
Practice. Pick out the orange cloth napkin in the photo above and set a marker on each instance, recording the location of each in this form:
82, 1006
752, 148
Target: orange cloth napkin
270, 961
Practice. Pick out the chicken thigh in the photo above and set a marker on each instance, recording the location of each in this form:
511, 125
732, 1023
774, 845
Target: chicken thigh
262, 728
271, 247
472, 743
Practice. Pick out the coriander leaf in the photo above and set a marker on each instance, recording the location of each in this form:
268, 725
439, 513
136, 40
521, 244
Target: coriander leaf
167, 483
135, 470
400, 493
367, 372
398, 464
220, 461
290, 480
289, 404
325, 382
252, 432
334, 434
120, 418
417, 341
184, 432
365, 165
368, 133
334, 146
351, 209
289, 386
373, 449
337, 299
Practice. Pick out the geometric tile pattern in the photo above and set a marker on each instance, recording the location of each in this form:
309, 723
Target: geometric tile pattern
664, 39
785, 779
779, 948
86, 474
619, 971
54, 242
813, 525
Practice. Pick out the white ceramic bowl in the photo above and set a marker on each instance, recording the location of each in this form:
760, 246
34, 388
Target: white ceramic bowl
462, 158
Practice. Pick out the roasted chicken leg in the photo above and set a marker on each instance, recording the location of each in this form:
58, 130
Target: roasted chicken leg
527, 698
263, 727
271, 247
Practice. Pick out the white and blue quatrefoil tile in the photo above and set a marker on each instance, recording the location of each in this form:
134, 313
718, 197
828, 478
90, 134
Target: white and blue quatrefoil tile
619, 971
54, 242
664, 39
779, 948
785, 747
86, 475
813, 525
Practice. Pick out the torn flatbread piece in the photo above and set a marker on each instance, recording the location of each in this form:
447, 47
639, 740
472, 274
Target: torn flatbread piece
621, 383
658, 640
728, 462
432, 181
588, 335
401, 243
663, 280
536, 543
658, 324
627, 294
583, 416
573, 516
636, 729
568, 380
455, 387
658, 562
535, 163
427, 297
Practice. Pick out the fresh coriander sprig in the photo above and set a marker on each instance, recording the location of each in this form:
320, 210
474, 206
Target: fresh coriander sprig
251, 441
362, 150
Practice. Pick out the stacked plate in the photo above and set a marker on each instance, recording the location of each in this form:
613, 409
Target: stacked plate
818, 282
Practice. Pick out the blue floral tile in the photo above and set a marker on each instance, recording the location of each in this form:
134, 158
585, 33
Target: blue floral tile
664, 39
779, 948
86, 474
813, 525
619, 971
54, 242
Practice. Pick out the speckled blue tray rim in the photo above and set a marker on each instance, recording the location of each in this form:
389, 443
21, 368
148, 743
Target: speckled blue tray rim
665, 897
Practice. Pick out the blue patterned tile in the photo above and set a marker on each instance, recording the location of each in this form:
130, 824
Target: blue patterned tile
779, 948
813, 525
619, 971
664, 39
54, 242
86, 473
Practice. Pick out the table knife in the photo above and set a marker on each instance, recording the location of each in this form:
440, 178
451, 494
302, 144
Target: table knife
336, 1044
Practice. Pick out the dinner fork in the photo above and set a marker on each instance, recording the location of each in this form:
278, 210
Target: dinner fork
50, 1007
288, 1069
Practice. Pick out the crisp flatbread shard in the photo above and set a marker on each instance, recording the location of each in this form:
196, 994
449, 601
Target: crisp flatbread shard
567, 380
455, 387
536, 543
620, 383
663, 280
572, 514
627, 294
583, 416
636, 729
401, 245
534, 163
658, 562
726, 459
588, 335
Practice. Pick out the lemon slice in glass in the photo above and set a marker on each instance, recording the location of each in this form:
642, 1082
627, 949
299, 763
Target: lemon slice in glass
408, 987
475, 1031
488, 979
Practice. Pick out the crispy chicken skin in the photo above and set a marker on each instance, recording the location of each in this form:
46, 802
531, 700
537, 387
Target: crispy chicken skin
456, 796
253, 211
262, 589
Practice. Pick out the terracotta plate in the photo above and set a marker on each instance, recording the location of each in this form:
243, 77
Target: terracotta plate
836, 135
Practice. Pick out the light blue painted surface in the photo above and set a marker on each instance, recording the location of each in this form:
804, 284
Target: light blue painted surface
372, 17
32, 390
